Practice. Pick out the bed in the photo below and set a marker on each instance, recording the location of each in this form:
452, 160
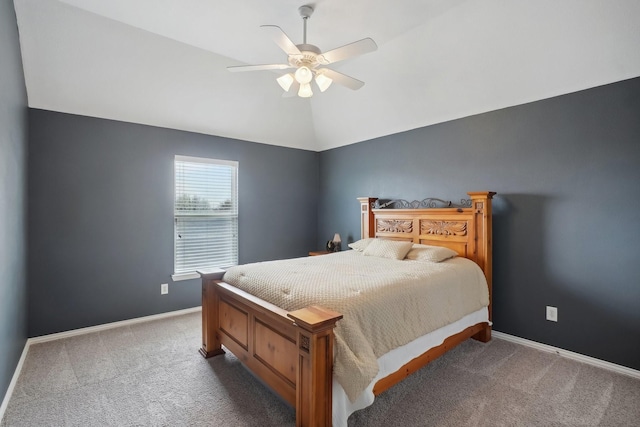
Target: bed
293, 351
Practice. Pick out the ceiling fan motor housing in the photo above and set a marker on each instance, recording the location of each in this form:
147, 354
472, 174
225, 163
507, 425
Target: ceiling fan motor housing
310, 56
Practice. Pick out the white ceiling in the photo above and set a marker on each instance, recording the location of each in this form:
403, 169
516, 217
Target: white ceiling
163, 62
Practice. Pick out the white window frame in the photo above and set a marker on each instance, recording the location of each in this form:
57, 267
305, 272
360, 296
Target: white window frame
232, 257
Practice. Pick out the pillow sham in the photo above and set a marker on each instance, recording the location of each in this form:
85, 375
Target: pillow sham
361, 244
430, 253
392, 249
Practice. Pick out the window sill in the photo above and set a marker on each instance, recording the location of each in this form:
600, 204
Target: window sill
184, 276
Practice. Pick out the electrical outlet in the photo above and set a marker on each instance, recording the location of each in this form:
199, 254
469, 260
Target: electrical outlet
552, 313
164, 289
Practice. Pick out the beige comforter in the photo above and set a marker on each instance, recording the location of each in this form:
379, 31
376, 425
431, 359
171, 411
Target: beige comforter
386, 303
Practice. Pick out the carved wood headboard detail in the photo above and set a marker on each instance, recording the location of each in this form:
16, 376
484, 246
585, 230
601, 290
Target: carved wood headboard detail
466, 230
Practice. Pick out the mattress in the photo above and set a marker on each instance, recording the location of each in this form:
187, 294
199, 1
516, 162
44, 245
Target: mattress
386, 303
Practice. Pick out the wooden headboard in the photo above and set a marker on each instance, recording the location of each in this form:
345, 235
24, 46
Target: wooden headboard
466, 230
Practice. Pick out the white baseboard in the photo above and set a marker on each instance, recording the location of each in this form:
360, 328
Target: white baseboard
14, 380
98, 328
75, 332
569, 354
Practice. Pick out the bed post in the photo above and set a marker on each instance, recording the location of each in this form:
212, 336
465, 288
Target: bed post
367, 223
210, 321
314, 378
481, 205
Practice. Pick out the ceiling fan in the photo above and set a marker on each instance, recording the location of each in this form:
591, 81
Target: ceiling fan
309, 61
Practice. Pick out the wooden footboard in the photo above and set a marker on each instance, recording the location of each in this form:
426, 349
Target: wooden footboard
292, 352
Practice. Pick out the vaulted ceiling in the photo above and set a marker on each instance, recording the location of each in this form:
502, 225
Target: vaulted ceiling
163, 62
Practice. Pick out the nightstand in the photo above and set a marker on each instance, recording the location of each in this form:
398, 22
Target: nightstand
316, 253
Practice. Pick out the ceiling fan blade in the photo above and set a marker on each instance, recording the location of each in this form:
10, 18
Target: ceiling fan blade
239, 68
282, 40
343, 79
348, 51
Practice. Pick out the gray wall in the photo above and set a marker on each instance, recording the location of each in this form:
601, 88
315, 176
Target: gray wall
101, 215
567, 214
565, 228
13, 145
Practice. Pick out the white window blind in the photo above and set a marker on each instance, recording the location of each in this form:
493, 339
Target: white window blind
206, 214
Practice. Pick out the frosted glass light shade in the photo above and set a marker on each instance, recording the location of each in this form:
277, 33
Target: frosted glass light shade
336, 238
323, 82
305, 91
303, 75
285, 81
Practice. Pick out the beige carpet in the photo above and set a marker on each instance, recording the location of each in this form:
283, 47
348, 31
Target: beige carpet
150, 374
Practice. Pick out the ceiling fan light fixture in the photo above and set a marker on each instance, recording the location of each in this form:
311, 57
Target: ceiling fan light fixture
303, 75
305, 91
285, 81
323, 82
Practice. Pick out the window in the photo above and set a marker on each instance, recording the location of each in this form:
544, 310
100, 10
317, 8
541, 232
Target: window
206, 215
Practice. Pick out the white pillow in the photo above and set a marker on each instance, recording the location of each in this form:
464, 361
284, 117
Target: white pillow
430, 253
360, 245
392, 249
